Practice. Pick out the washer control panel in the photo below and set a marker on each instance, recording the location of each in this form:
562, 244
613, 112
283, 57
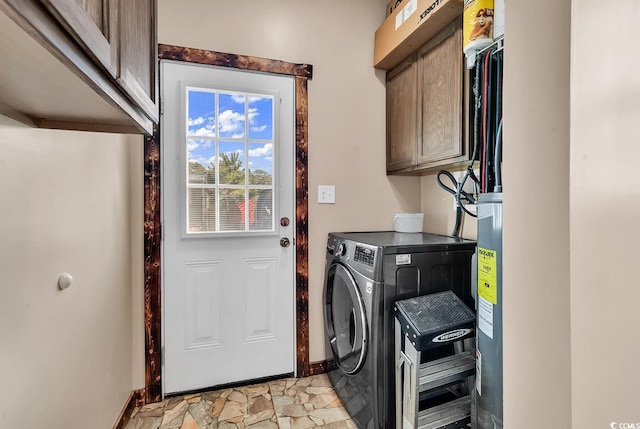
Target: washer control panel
365, 255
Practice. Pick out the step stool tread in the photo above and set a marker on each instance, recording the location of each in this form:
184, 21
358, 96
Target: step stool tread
449, 413
426, 317
444, 371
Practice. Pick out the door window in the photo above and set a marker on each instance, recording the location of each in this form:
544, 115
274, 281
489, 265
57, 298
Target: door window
230, 139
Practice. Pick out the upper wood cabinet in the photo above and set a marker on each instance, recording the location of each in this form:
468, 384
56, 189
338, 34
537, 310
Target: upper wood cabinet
93, 24
440, 86
98, 59
425, 107
138, 72
402, 118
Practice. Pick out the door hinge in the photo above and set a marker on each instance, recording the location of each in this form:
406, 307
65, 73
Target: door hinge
162, 355
161, 231
161, 105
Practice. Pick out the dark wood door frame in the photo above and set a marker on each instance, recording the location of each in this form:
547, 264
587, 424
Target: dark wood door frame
152, 222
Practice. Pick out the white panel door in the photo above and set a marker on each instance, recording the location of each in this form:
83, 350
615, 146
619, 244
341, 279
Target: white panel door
228, 145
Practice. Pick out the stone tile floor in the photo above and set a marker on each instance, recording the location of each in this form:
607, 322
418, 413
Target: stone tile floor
292, 403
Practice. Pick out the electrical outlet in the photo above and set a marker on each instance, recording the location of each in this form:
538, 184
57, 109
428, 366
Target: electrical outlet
470, 207
326, 194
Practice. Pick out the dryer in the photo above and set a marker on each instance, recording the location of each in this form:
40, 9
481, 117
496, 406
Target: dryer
365, 273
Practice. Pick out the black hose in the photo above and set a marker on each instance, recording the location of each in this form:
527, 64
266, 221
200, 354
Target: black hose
498, 59
468, 198
497, 160
457, 193
459, 190
456, 227
476, 145
476, 110
488, 100
497, 156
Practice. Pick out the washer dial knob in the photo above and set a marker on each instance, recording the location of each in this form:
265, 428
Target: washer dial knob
342, 249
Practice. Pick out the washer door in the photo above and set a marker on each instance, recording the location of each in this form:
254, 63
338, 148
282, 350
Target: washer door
345, 317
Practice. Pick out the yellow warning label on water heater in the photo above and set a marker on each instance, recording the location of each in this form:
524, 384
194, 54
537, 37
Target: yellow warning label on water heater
488, 275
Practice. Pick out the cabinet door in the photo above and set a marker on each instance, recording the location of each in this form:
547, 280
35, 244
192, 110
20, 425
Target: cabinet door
138, 72
402, 105
93, 23
440, 82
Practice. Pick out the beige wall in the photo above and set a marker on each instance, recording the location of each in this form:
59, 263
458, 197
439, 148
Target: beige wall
571, 347
346, 106
65, 359
536, 317
605, 203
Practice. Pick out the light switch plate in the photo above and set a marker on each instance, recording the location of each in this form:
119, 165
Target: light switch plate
326, 194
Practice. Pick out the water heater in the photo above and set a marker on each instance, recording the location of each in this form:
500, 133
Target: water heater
487, 412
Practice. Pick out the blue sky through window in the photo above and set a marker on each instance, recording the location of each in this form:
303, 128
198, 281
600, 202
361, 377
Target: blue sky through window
234, 109
231, 115
261, 118
202, 109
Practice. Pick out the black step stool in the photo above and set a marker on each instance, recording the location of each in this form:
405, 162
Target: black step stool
423, 324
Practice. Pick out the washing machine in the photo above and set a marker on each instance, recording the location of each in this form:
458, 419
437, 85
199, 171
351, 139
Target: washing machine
366, 272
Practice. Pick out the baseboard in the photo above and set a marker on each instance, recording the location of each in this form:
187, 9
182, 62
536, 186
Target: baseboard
321, 367
136, 399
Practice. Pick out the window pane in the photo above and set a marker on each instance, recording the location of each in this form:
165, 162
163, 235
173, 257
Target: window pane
232, 160
232, 211
202, 210
261, 218
201, 119
201, 155
231, 116
260, 163
261, 118
229, 153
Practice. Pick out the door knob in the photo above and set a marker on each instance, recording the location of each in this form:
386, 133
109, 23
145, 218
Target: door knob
285, 242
